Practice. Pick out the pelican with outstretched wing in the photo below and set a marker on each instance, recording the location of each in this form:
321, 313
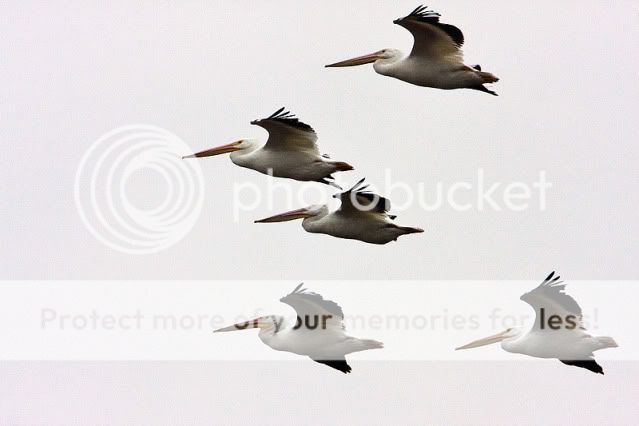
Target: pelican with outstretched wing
435, 61
317, 332
558, 331
362, 216
290, 152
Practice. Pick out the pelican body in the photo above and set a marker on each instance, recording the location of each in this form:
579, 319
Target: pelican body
558, 331
317, 332
563, 345
290, 152
436, 59
362, 216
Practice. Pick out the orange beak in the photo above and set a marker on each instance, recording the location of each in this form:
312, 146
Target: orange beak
485, 341
240, 326
284, 217
360, 60
233, 146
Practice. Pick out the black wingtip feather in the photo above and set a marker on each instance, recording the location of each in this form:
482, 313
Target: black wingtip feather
357, 185
297, 289
552, 279
285, 117
588, 364
318, 299
276, 113
337, 364
423, 14
381, 203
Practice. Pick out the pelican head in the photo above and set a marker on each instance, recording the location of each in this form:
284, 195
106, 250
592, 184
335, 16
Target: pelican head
303, 213
507, 334
239, 145
266, 323
384, 55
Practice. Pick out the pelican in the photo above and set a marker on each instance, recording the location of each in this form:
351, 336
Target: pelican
318, 331
558, 331
362, 216
435, 61
290, 152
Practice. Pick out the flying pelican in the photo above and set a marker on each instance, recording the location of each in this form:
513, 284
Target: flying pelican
558, 331
435, 61
290, 152
318, 331
362, 216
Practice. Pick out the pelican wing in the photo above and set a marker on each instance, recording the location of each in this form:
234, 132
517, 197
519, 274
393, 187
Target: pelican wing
338, 364
287, 133
588, 363
359, 200
309, 305
550, 295
433, 39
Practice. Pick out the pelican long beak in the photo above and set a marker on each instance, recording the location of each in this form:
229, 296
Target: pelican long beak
360, 60
230, 147
284, 217
485, 341
240, 326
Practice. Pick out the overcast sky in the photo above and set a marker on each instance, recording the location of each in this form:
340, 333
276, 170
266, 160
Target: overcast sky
202, 70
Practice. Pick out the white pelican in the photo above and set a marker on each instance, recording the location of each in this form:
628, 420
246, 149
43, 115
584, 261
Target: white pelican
290, 151
362, 216
558, 331
435, 61
318, 331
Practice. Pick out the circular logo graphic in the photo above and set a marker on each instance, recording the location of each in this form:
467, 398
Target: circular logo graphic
118, 212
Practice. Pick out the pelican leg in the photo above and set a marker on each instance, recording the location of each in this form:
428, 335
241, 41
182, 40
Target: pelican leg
328, 180
482, 88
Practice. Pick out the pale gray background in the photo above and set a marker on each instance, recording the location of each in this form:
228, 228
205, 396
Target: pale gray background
71, 71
